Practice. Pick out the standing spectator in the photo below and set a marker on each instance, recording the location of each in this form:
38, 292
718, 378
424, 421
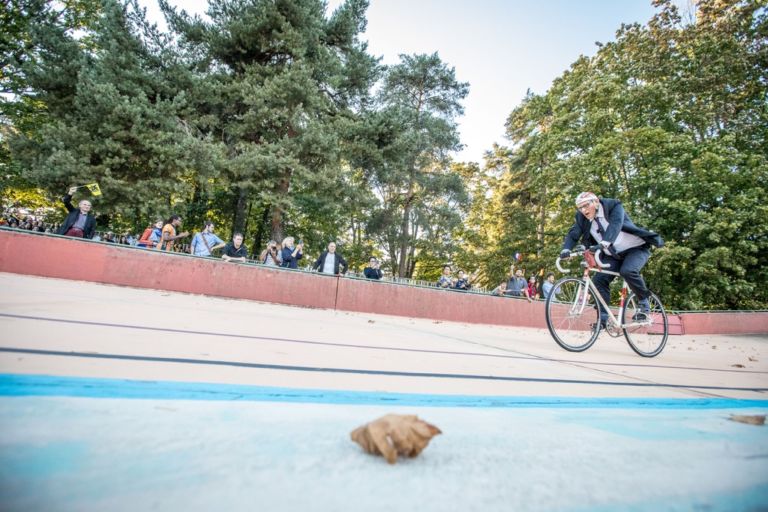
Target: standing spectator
533, 289
445, 281
109, 237
463, 282
169, 236
372, 271
235, 250
205, 242
270, 256
517, 286
151, 235
80, 222
290, 254
330, 262
549, 283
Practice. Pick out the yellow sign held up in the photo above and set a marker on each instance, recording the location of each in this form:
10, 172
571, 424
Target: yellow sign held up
94, 188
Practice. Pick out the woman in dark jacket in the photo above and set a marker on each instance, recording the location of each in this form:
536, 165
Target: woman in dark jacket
290, 254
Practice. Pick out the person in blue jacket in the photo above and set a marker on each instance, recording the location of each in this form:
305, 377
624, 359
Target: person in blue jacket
290, 253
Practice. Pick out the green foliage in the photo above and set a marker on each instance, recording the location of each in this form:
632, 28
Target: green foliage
671, 119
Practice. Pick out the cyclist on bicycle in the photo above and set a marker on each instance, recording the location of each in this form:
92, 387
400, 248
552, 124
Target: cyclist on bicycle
625, 248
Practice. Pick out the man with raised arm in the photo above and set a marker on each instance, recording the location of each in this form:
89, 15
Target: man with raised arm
80, 222
625, 247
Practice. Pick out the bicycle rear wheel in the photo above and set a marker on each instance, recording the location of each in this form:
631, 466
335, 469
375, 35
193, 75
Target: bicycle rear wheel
647, 338
574, 323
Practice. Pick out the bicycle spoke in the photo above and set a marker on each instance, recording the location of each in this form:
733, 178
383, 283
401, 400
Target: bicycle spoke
647, 336
572, 318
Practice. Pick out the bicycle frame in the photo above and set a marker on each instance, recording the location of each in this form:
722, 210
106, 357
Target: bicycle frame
581, 298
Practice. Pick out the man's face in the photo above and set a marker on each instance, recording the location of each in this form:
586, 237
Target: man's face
461, 274
331, 247
85, 206
551, 279
519, 273
176, 222
238, 241
210, 228
588, 209
446, 271
372, 262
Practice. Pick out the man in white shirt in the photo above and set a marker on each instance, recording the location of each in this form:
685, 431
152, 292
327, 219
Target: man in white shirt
330, 262
626, 247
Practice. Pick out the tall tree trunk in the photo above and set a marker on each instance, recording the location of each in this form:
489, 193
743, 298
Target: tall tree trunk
241, 200
402, 268
277, 227
258, 239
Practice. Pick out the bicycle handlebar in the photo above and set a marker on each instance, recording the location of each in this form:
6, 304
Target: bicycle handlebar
597, 258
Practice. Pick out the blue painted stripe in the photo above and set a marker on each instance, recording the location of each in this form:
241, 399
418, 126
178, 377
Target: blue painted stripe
15, 385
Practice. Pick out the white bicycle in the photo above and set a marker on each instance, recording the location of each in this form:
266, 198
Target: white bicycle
573, 317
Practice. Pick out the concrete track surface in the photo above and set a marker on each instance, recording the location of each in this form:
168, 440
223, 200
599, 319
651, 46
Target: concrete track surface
115, 398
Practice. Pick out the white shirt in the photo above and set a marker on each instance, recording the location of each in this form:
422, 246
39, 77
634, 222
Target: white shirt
330, 263
623, 242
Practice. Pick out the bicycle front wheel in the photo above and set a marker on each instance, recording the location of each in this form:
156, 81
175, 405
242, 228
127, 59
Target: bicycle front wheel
647, 336
572, 316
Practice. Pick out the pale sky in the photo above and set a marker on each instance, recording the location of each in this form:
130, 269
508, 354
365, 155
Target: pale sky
501, 47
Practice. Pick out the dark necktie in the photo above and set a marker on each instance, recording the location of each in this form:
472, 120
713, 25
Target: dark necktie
602, 233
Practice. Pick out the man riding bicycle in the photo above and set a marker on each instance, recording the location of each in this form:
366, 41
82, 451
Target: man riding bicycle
625, 248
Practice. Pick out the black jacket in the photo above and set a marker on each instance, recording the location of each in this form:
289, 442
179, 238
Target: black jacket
74, 213
320, 263
618, 221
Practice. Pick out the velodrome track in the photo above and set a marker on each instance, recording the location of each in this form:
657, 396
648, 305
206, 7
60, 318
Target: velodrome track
125, 399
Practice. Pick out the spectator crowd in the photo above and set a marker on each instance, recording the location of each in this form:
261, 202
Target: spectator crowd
166, 235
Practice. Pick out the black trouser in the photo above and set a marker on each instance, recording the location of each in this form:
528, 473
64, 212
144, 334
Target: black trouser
628, 265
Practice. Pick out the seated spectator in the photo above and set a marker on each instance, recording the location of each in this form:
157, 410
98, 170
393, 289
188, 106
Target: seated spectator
291, 254
372, 271
499, 290
80, 222
549, 283
169, 236
446, 280
533, 289
151, 235
205, 242
517, 286
331, 262
235, 250
271, 255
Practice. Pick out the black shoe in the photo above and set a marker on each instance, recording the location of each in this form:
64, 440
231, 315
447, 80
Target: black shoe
641, 316
595, 325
